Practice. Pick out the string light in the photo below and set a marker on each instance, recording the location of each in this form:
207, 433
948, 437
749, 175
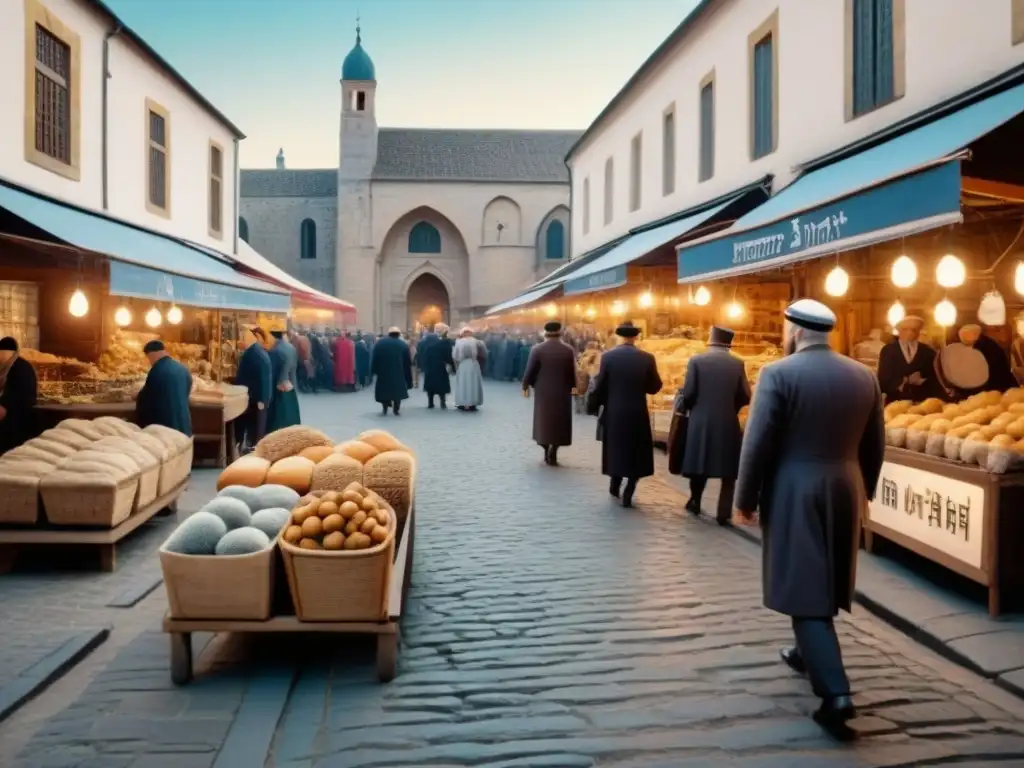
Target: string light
904, 272
945, 313
153, 318
896, 314
123, 316
702, 297
175, 315
950, 272
838, 282
78, 306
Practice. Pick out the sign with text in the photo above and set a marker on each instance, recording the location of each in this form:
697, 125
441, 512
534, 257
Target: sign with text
947, 515
142, 283
599, 281
827, 228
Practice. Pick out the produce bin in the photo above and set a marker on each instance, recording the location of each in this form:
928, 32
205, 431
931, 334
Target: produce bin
239, 587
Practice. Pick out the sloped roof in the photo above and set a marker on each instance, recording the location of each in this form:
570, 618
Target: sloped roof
289, 183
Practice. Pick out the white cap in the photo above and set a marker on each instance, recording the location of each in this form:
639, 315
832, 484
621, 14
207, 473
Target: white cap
910, 321
811, 314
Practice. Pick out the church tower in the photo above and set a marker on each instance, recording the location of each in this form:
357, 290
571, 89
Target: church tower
355, 264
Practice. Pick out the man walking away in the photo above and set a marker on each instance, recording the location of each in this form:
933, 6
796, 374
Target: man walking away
434, 357
627, 375
811, 457
715, 389
551, 371
391, 364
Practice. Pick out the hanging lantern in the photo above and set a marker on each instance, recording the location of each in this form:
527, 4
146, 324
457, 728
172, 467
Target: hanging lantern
838, 282
734, 311
1018, 278
646, 300
896, 314
702, 297
945, 313
950, 272
904, 272
174, 315
123, 316
153, 318
79, 304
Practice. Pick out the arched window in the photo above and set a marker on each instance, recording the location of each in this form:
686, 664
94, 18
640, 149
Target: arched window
307, 239
424, 238
243, 228
554, 240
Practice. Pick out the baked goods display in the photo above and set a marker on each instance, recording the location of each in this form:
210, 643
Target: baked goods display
986, 429
356, 518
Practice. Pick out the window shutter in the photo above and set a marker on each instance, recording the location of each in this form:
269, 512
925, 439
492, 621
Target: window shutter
764, 106
863, 56
884, 64
707, 131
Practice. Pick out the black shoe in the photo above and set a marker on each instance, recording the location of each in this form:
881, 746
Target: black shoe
833, 715
627, 494
693, 506
430, 403
553, 456
793, 660
444, 405
396, 410
547, 454
725, 522
385, 409
614, 488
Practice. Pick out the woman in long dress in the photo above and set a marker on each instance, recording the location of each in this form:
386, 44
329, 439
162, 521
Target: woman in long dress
468, 354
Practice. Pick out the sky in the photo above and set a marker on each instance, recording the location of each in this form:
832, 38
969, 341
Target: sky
273, 66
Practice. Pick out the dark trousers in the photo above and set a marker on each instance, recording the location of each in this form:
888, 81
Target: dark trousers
699, 483
430, 400
394, 405
818, 644
253, 427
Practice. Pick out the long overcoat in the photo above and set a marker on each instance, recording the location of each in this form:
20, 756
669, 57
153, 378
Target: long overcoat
434, 358
715, 389
362, 362
812, 455
627, 375
18, 397
551, 371
255, 374
391, 364
284, 406
344, 362
163, 399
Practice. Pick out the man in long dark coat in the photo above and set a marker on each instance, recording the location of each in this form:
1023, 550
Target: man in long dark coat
714, 391
627, 375
255, 373
434, 354
284, 367
19, 390
906, 366
163, 399
551, 371
362, 361
392, 365
811, 458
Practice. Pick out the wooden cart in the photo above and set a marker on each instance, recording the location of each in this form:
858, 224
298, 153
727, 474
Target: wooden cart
387, 631
105, 539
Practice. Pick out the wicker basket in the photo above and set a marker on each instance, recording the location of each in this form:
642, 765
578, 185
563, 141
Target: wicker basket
83, 504
175, 470
239, 587
149, 486
345, 585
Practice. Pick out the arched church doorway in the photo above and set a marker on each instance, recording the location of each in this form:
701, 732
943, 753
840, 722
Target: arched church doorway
427, 302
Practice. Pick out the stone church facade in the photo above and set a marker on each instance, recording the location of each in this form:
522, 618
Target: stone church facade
415, 225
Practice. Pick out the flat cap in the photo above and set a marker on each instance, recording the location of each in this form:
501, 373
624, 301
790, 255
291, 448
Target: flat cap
811, 314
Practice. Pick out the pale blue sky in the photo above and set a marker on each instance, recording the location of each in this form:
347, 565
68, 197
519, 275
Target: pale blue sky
272, 66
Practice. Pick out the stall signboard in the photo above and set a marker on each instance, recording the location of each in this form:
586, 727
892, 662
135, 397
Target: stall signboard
599, 281
843, 224
945, 514
138, 282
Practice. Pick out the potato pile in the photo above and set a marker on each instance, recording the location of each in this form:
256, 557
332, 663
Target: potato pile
352, 519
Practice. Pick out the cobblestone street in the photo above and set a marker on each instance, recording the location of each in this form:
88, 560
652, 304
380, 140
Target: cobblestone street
546, 628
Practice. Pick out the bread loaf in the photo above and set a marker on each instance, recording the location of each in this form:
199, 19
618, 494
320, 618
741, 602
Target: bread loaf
295, 472
114, 427
391, 475
81, 426
316, 453
250, 471
172, 438
290, 441
336, 473
67, 437
357, 449
381, 440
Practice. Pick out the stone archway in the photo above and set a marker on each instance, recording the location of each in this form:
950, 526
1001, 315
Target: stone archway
427, 302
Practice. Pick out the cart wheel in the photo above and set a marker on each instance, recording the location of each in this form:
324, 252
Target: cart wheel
387, 656
181, 657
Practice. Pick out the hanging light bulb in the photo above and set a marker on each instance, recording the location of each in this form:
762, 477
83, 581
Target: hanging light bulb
945, 313
734, 311
551, 309
904, 272
895, 314
618, 308
153, 318
950, 272
675, 301
123, 316
79, 304
646, 300
591, 312
702, 297
1018, 278
175, 315
837, 283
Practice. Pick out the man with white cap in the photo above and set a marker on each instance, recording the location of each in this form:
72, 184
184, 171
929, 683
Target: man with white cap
906, 367
812, 454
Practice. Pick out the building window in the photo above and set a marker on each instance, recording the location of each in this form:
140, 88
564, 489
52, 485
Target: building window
307, 239
359, 101
636, 171
609, 190
554, 240
52, 99
668, 152
875, 60
158, 169
216, 190
706, 168
1017, 21
243, 229
424, 238
586, 205
763, 73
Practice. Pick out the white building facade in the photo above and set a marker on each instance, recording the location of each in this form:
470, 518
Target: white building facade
745, 89
136, 142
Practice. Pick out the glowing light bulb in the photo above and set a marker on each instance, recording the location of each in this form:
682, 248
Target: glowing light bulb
702, 297
618, 308
175, 315
895, 314
734, 311
904, 272
837, 283
79, 304
591, 312
123, 316
551, 310
153, 318
950, 272
1018, 278
945, 313
646, 300
675, 301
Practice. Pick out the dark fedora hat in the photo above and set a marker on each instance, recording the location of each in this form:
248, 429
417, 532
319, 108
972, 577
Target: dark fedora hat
627, 330
721, 337
553, 327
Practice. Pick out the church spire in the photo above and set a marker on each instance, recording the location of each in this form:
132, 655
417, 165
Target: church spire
359, 30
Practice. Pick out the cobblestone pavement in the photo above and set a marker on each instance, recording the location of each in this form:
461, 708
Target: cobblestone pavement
547, 628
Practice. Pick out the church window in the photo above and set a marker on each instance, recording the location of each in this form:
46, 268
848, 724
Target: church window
554, 240
243, 229
307, 239
424, 238
158, 133
216, 212
359, 101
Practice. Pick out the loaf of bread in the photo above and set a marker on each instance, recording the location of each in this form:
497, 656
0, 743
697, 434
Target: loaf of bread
295, 472
250, 471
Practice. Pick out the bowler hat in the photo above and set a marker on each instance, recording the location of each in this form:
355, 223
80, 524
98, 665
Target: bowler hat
721, 337
627, 330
